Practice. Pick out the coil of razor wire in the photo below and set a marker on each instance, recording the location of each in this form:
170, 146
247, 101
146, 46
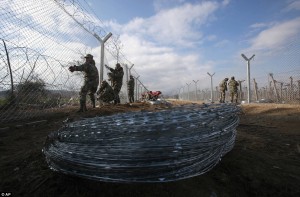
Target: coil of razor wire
162, 146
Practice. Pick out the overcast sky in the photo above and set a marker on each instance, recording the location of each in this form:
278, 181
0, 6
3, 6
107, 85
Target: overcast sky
173, 42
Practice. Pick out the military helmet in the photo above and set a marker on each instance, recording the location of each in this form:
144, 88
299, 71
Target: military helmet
131, 76
226, 79
232, 78
118, 65
88, 56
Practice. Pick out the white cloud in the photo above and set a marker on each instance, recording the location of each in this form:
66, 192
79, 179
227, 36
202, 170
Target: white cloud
152, 44
166, 4
225, 2
211, 38
155, 45
176, 26
42, 27
161, 68
276, 36
275, 47
222, 43
294, 5
258, 25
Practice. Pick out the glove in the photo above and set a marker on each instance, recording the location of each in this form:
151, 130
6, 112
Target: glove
72, 68
106, 66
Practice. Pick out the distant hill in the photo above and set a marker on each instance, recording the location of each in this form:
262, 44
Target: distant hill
63, 93
3, 93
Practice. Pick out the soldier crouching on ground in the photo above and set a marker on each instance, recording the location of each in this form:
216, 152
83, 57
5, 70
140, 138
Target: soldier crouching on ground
105, 92
91, 81
233, 89
116, 78
223, 89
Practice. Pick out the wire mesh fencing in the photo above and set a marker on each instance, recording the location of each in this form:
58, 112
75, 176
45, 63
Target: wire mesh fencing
38, 42
273, 88
36, 51
274, 77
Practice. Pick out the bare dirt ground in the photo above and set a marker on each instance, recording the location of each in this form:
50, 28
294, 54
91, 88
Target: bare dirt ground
264, 162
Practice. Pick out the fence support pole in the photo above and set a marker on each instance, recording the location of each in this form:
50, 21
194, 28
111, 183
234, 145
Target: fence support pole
241, 90
127, 78
136, 88
291, 89
275, 89
196, 89
248, 75
211, 87
188, 85
102, 54
8, 63
217, 91
281, 95
298, 89
255, 89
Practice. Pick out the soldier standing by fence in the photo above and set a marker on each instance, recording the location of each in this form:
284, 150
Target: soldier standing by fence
233, 89
91, 81
105, 92
223, 88
116, 77
130, 88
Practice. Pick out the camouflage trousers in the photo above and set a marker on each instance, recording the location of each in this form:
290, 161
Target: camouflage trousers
131, 96
106, 96
233, 96
222, 96
117, 89
88, 87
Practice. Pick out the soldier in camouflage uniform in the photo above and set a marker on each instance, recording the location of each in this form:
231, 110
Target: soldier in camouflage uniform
233, 89
116, 78
223, 88
105, 93
91, 81
130, 88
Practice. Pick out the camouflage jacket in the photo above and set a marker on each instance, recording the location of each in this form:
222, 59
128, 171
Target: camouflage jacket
90, 72
223, 85
117, 76
233, 85
106, 93
130, 84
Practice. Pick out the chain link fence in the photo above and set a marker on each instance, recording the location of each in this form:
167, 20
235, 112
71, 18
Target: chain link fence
38, 42
281, 85
279, 88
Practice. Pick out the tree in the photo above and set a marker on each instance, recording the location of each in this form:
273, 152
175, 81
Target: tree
31, 91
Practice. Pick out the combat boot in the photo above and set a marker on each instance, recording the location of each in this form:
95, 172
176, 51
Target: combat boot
93, 102
82, 107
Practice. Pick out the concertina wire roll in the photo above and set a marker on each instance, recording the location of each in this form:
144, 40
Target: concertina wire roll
161, 146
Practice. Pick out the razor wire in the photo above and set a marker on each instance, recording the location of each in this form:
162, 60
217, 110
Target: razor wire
162, 146
39, 82
42, 41
40, 48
